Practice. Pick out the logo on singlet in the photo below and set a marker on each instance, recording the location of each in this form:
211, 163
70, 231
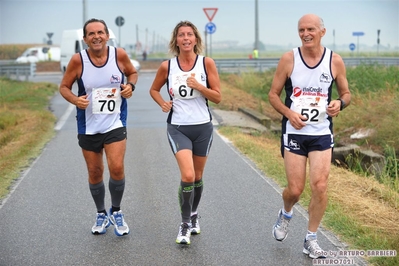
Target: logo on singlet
115, 79
325, 78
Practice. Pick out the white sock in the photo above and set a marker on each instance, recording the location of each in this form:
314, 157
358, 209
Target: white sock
311, 234
287, 214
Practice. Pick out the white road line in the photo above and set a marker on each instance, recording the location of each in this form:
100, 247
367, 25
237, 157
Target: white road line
64, 117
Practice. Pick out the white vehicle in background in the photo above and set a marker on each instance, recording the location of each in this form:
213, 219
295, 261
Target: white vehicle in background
40, 53
72, 42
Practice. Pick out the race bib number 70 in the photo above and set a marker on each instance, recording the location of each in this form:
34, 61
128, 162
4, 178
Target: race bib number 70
106, 100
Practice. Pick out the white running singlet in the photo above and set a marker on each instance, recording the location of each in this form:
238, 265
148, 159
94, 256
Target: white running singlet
190, 107
308, 92
107, 110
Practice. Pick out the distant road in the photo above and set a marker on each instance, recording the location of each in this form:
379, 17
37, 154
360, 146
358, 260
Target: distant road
48, 217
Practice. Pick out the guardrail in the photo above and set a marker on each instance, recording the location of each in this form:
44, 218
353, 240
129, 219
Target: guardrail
11, 69
245, 65
17, 71
263, 64
384, 61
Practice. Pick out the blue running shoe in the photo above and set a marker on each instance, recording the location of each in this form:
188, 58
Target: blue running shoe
121, 227
101, 224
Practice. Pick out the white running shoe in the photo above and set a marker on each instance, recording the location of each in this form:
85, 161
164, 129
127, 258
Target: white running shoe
312, 248
121, 227
184, 234
101, 224
280, 228
195, 227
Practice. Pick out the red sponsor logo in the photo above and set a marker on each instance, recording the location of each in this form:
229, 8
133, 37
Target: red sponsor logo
297, 91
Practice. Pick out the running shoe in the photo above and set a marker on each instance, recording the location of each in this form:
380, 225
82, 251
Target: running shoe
195, 227
312, 248
184, 234
121, 227
101, 224
280, 229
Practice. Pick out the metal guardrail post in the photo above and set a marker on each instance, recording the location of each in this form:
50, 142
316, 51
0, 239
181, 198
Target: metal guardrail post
32, 69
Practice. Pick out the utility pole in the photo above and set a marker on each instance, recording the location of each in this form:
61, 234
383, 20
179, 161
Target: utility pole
153, 41
378, 41
84, 12
138, 45
334, 39
256, 26
146, 40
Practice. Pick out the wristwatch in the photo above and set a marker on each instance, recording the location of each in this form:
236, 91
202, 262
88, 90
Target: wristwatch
342, 104
131, 84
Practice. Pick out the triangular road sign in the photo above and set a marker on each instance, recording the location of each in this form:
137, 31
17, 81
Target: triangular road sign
210, 12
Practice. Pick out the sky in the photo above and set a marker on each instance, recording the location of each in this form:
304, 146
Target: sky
29, 21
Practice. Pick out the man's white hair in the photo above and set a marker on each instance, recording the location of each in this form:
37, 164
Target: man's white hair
321, 23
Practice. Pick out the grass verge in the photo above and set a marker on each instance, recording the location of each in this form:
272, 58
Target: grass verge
26, 125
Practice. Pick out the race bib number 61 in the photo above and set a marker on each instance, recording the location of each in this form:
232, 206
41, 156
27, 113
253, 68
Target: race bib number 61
106, 100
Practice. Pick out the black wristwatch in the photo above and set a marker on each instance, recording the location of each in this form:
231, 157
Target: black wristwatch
131, 84
342, 104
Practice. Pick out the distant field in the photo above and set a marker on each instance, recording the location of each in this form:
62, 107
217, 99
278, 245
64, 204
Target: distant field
12, 51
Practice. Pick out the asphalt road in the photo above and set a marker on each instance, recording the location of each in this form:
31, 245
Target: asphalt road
47, 218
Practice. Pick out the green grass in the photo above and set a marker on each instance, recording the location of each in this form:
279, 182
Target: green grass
26, 124
370, 108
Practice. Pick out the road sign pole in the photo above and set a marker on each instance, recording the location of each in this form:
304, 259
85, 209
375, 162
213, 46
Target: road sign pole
119, 36
119, 21
210, 47
206, 43
210, 27
358, 34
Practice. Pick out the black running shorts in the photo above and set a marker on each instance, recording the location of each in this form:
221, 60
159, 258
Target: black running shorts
197, 138
303, 144
96, 142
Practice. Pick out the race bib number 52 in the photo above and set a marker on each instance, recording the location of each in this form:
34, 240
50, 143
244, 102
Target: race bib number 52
106, 100
313, 108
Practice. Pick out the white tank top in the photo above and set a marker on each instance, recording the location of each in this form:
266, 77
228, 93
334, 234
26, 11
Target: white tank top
190, 107
107, 110
308, 92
